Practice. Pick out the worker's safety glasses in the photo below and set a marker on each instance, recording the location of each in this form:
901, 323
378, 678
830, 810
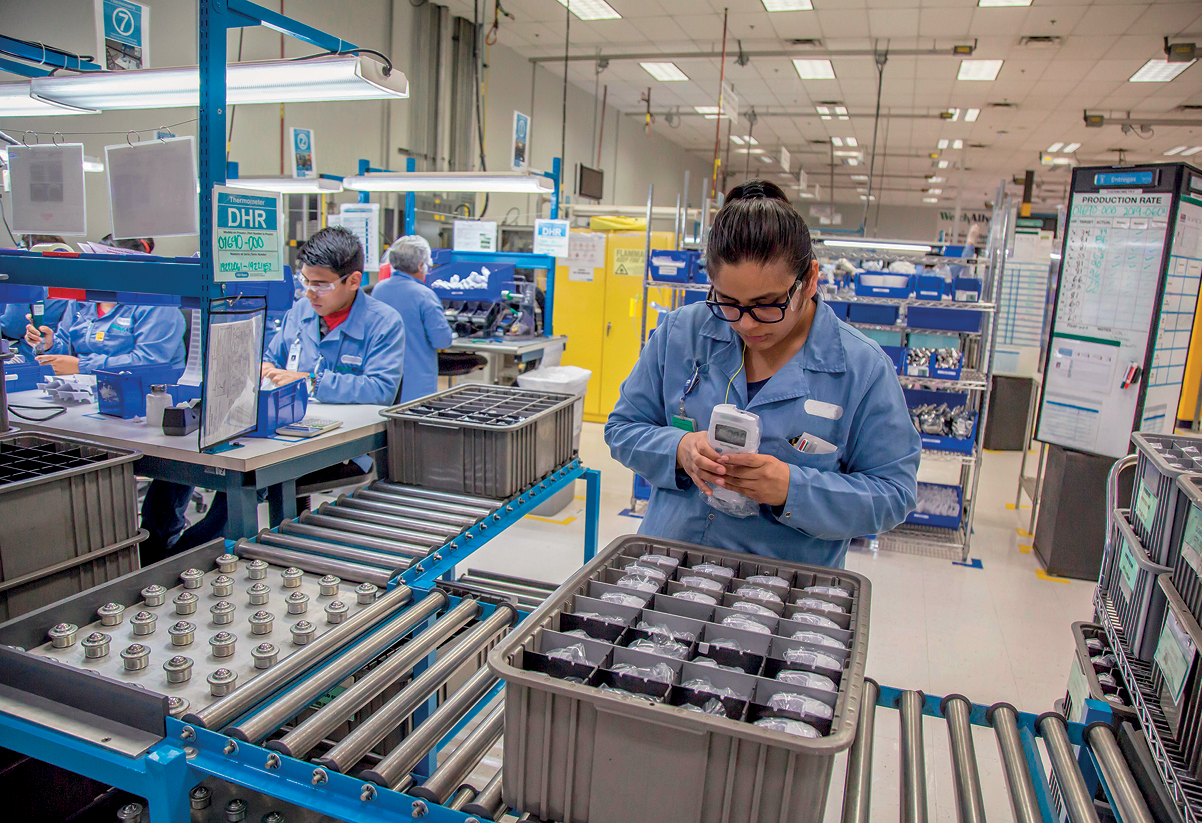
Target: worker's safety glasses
320, 289
762, 313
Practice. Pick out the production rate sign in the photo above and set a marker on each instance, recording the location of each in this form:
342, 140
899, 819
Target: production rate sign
246, 235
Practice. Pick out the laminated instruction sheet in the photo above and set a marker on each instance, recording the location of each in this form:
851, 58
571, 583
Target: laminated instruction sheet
232, 369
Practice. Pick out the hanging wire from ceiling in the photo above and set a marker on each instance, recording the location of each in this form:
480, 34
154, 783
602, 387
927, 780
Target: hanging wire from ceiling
881, 59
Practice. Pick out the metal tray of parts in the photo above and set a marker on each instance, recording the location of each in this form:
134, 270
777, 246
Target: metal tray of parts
577, 752
491, 441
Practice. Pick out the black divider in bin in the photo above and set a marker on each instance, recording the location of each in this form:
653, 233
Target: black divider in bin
748, 657
658, 644
651, 689
775, 665
733, 708
596, 653
642, 684
596, 629
758, 711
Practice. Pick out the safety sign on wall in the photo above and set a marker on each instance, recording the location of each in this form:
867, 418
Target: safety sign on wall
630, 261
551, 237
304, 163
520, 157
122, 34
247, 242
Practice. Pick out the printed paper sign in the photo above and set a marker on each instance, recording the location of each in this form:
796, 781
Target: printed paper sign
304, 164
475, 235
122, 35
587, 248
1175, 655
551, 237
520, 157
363, 221
47, 189
247, 242
580, 273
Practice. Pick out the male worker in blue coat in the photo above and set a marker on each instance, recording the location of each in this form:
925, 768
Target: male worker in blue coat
345, 345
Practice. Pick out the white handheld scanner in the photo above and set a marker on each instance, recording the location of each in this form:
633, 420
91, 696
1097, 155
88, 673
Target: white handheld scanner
734, 431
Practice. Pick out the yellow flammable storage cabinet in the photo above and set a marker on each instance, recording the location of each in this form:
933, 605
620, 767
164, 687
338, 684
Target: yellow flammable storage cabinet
602, 314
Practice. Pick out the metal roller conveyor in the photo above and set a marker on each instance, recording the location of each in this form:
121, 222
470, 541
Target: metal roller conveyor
488, 804
539, 585
1023, 800
407, 536
969, 801
913, 759
305, 529
249, 694
463, 795
395, 767
1076, 796
504, 586
857, 791
459, 764
527, 603
395, 521
301, 740
389, 562
418, 503
437, 496
1128, 801
463, 521
314, 563
297, 697
375, 728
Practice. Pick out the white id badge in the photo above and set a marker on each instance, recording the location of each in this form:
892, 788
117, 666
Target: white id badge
294, 355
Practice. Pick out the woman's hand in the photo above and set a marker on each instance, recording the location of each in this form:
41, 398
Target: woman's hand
61, 363
761, 477
697, 457
34, 336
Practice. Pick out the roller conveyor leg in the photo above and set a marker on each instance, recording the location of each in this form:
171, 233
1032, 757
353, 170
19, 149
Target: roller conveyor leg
398, 763
316, 563
370, 732
488, 804
1128, 800
1023, 802
294, 700
857, 791
301, 740
1073, 792
970, 805
913, 759
455, 769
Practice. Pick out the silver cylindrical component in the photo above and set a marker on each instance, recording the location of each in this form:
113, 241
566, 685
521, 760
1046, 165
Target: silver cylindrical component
178, 669
96, 645
303, 632
546, 589
265, 655
356, 526
1078, 801
227, 563
398, 763
222, 612
413, 507
292, 577
261, 622
130, 813
256, 570
969, 801
318, 564
297, 602
185, 603
182, 633
63, 635
857, 791
313, 551
154, 595
351, 749
177, 706
192, 578
461, 797
506, 586
222, 644
222, 682
293, 700
272, 817
395, 521
223, 585
1023, 801
488, 804
299, 741
403, 553
143, 623
111, 614
366, 592
223, 711
200, 798
258, 594
336, 611
440, 497
1124, 792
345, 504
328, 585
913, 759
235, 811
135, 657
455, 769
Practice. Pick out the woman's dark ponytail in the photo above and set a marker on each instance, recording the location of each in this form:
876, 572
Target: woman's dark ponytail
756, 223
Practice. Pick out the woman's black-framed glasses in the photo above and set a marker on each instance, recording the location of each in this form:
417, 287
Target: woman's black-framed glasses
763, 313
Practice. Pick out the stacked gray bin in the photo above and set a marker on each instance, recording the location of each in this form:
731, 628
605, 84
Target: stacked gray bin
491, 441
68, 518
1130, 582
1162, 459
579, 752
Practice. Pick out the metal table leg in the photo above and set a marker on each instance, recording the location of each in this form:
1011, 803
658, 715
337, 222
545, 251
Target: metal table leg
592, 512
281, 502
242, 502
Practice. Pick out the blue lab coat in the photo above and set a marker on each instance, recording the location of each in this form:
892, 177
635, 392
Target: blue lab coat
840, 387
426, 331
359, 361
13, 320
126, 336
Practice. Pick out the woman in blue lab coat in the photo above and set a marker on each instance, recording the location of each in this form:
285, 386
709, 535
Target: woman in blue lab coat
838, 453
426, 327
15, 316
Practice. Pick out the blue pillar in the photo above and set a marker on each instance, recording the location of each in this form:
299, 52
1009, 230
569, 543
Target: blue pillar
213, 18
364, 168
556, 175
410, 201
592, 512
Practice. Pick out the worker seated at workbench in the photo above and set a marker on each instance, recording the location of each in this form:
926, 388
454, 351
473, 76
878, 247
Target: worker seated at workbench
16, 316
346, 346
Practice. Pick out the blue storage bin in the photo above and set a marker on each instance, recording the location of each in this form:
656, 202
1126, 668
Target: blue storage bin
939, 520
966, 289
671, 266
864, 290
26, 376
918, 340
872, 314
280, 294
883, 338
897, 354
929, 287
943, 319
954, 400
12, 293
122, 393
698, 272
839, 308
931, 370
280, 407
642, 489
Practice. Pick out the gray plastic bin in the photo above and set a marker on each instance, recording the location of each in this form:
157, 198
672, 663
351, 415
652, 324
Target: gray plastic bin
1185, 542
490, 441
579, 754
20, 595
60, 499
1162, 459
1131, 585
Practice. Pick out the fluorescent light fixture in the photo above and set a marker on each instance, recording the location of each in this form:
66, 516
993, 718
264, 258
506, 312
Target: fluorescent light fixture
934, 179
886, 245
1046, 159
591, 9
823, 112
1191, 152
836, 141
847, 153
867, 197
1175, 150
930, 199
934, 191
859, 177
1071, 147
943, 164
668, 72
92, 164
971, 115
751, 141
986, 4
288, 185
787, 5
943, 144
851, 141
341, 78
738, 141
470, 181
1057, 146
957, 144
842, 112
706, 110
765, 158
979, 69
814, 69
755, 151
1055, 255
955, 114
16, 102
805, 194
1159, 71
852, 161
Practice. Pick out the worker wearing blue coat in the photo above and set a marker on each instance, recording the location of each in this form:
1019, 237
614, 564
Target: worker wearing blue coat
111, 336
838, 454
15, 316
426, 327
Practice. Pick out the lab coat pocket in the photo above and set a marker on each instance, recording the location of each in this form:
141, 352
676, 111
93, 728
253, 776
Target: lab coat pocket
826, 460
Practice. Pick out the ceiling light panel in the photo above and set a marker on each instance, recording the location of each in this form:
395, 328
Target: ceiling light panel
943, 164
842, 112
1072, 147
591, 9
1175, 150
814, 69
971, 115
1191, 151
787, 5
738, 141
823, 112
979, 69
838, 141
667, 72
987, 4
930, 199
706, 110
955, 114
957, 144
1057, 146
934, 191
943, 144
851, 141
1159, 71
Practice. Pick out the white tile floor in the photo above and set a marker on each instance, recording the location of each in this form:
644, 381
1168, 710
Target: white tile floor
997, 633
